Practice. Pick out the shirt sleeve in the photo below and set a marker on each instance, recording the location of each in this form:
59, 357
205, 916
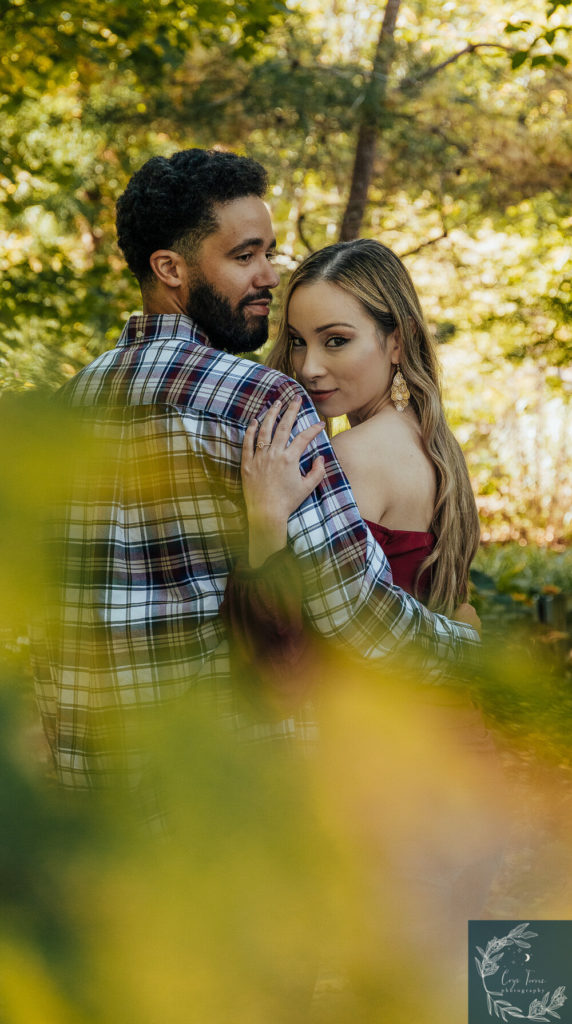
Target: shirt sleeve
349, 594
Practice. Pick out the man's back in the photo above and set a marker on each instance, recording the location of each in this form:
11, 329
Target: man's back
146, 536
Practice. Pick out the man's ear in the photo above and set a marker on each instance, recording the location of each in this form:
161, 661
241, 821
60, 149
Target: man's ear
169, 268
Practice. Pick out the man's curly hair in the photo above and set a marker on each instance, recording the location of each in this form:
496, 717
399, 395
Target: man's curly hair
169, 202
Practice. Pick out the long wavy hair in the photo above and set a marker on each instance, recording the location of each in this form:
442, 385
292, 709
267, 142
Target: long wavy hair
374, 275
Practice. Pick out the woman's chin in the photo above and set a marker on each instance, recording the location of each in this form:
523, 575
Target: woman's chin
328, 407
325, 410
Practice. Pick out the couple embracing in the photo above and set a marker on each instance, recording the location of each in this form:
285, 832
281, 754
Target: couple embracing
211, 472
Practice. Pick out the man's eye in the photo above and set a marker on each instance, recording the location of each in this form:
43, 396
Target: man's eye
271, 256
244, 257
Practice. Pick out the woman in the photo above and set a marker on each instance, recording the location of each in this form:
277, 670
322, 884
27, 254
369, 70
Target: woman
354, 335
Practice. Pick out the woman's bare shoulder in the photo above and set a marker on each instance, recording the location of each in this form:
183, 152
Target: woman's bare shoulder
380, 438
392, 477
352, 446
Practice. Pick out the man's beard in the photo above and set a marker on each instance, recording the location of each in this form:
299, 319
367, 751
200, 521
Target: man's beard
227, 328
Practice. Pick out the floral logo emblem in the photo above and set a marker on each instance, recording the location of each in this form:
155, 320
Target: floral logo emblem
490, 963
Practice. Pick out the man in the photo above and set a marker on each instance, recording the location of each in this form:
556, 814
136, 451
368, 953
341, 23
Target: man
155, 517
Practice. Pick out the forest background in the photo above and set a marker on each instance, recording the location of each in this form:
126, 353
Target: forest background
461, 111
443, 130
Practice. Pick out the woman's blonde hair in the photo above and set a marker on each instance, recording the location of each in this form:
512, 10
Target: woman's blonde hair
374, 275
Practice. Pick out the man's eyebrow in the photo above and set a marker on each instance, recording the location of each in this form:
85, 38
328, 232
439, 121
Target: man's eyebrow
257, 243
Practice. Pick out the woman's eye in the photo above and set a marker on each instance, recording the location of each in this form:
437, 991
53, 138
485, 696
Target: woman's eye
296, 342
336, 341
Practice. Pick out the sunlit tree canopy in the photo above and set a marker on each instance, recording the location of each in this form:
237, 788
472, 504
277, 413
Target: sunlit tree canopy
469, 178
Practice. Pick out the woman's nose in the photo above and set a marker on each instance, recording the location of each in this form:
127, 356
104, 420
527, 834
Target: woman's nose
312, 367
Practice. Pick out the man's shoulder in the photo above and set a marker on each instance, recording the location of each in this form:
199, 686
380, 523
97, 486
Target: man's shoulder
240, 368
235, 387
67, 393
181, 372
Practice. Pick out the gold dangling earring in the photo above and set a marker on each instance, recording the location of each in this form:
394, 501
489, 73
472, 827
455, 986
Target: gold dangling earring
400, 393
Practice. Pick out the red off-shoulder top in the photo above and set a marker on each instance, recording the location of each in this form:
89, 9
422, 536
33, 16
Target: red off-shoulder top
405, 550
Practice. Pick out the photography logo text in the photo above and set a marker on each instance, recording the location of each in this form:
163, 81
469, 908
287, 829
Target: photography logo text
515, 972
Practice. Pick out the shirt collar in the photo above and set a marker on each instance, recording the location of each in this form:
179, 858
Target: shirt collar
142, 329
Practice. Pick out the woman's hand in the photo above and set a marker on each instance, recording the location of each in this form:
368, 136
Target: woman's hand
272, 483
467, 614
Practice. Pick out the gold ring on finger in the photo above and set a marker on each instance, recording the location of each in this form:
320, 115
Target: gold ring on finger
261, 445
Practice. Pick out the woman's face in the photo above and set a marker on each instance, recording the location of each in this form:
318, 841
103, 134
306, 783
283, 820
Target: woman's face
337, 352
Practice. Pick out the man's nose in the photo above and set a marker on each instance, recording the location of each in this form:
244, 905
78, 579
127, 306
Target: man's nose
266, 275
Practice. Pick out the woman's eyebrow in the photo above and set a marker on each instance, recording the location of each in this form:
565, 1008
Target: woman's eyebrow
336, 323
326, 327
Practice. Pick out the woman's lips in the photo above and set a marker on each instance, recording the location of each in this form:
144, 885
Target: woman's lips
321, 396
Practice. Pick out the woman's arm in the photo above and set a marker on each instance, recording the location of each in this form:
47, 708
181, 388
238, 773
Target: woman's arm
272, 483
262, 604
270, 645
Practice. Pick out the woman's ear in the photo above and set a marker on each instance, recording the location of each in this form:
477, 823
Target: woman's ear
394, 345
169, 267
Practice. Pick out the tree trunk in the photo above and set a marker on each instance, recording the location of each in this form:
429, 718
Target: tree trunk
369, 126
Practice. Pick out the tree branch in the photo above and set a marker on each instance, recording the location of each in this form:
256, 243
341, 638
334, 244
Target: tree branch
430, 72
300, 226
431, 241
434, 130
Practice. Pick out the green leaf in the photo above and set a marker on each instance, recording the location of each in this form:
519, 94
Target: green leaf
518, 58
516, 26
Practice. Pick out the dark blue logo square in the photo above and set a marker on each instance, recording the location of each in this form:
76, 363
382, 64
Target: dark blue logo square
520, 971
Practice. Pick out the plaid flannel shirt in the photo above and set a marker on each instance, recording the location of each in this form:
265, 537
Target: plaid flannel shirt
146, 536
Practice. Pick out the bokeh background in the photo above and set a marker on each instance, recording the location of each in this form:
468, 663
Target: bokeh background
455, 119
